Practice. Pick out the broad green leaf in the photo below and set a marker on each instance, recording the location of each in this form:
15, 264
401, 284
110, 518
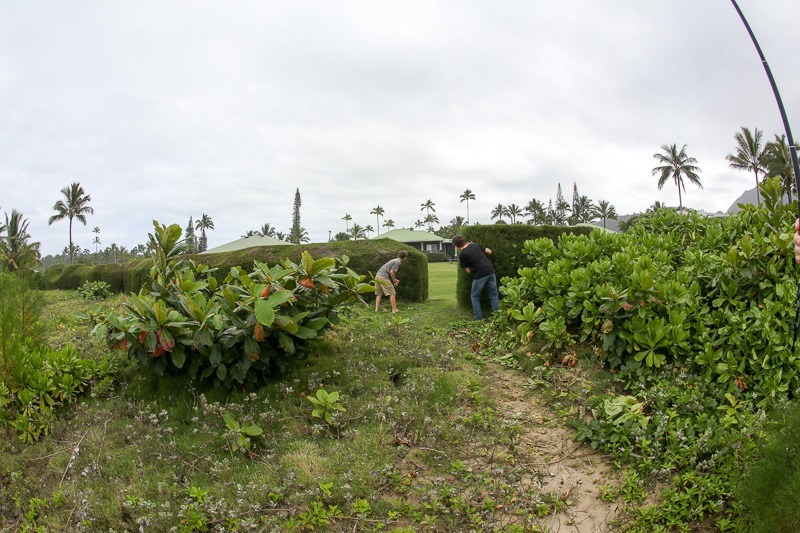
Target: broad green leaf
231, 422
265, 313
305, 333
286, 323
286, 343
280, 297
178, 356
251, 430
316, 323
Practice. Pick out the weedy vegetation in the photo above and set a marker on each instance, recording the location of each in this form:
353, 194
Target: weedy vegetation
667, 348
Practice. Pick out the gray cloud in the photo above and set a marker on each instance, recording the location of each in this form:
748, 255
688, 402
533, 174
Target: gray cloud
170, 111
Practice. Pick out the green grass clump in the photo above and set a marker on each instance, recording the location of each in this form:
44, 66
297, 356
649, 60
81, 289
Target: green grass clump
770, 488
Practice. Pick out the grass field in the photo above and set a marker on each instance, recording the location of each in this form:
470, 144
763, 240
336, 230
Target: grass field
441, 308
161, 454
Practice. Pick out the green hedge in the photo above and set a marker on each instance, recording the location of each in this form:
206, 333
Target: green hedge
366, 257
505, 241
72, 277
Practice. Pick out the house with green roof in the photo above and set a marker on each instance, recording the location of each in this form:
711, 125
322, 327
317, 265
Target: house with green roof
421, 240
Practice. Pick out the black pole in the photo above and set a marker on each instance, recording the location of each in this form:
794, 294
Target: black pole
792, 149
789, 139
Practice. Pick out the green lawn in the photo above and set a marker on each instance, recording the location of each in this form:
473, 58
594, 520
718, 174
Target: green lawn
441, 308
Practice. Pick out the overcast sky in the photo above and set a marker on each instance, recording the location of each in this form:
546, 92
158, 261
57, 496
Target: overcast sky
166, 110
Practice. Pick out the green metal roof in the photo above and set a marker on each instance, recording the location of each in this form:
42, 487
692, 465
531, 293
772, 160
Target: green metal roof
408, 235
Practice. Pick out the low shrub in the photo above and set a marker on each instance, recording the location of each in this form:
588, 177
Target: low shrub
235, 332
94, 290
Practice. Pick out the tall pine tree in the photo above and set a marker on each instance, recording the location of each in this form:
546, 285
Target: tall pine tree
297, 234
191, 241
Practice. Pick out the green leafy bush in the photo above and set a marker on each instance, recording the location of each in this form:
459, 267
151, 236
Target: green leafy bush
34, 379
506, 242
94, 290
693, 316
716, 294
235, 332
42, 380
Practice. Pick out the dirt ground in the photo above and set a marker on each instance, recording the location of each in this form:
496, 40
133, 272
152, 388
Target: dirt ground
558, 462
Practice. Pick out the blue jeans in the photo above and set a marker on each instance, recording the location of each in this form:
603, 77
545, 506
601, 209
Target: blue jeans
490, 284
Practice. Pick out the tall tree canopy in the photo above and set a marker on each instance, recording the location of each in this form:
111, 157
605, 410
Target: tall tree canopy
678, 166
749, 154
74, 205
466, 196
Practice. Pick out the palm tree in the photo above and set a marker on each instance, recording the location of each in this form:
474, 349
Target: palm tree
749, 154
388, 223
428, 206
74, 205
419, 224
202, 224
513, 211
378, 212
281, 236
656, 206
535, 209
298, 235
16, 252
430, 220
499, 211
96, 240
347, 218
778, 161
676, 165
605, 211
466, 196
357, 232
368, 229
266, 231
583, 210
455, 225
250, 233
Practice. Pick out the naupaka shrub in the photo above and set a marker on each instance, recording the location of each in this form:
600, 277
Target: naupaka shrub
713, 294
235, 332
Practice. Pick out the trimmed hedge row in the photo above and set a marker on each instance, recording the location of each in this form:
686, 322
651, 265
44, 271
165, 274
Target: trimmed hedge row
366, 257
72, 277
505, 241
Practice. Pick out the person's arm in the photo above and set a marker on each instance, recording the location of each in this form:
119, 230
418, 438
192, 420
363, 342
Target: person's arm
797, 241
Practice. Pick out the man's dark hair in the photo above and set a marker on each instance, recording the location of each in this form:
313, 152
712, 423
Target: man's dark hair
458, 241
402, 254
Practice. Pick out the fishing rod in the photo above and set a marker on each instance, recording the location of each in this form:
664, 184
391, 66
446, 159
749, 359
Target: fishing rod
789, 139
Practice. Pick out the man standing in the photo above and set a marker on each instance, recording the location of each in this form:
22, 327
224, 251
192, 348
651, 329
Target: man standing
387, 281
473, 259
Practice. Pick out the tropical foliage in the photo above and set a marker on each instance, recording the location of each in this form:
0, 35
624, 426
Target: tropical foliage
750, 154
235, 332
74, 205
676, 165
17, 252
693, 317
